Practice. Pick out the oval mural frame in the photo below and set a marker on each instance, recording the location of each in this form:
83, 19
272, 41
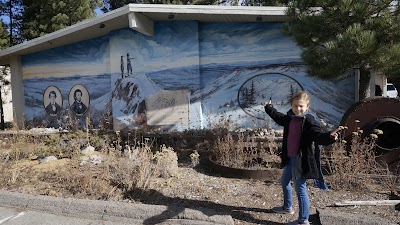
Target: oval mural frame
85, 100
263, 74
58, 100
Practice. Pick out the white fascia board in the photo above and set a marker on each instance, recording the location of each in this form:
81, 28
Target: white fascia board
141, 23
209, 9
68, 30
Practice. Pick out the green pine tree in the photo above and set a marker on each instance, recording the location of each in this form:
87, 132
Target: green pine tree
41, 17
109, 5
12, 10
264, 2
338, 36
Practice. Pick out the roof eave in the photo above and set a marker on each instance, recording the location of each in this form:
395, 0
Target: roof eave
137, 16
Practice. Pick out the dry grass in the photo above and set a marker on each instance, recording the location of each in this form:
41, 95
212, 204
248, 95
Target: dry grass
130, 166
121, 170
352, 165
245, 150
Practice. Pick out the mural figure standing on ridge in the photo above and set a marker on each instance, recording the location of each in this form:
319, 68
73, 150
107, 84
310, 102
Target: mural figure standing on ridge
80, 100
122, 66
128, 65
52, 106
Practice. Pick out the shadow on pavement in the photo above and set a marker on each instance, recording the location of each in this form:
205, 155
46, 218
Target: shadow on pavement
156, 198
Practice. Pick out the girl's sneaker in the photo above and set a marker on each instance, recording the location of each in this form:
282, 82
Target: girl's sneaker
282, 210
296, 222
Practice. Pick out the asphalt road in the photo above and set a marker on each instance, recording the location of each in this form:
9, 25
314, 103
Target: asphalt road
19, 216
25, 209
21, 209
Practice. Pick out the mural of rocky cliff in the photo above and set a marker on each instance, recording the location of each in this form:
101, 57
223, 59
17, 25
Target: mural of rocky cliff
128, 100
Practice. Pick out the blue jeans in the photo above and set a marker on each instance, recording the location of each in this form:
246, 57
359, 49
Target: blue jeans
288, 174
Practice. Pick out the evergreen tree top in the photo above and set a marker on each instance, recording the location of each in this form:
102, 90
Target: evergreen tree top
336, 36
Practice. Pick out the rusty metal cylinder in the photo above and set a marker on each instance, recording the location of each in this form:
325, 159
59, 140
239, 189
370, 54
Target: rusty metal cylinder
390, 139
377, 113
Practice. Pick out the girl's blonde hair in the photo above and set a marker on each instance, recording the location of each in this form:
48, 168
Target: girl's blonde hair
300, 96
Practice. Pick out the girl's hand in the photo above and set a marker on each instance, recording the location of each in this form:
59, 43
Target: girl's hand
268, 103
334, 134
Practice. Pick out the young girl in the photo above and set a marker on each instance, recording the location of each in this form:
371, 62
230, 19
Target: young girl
300, 130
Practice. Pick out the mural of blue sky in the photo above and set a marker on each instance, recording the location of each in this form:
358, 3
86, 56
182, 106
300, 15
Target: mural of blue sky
237, 42
83, 58
245, 42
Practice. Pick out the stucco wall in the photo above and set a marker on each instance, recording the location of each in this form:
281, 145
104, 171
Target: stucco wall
7, 101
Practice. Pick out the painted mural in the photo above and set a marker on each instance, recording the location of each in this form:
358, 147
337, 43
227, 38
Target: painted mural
79, 74
189, 75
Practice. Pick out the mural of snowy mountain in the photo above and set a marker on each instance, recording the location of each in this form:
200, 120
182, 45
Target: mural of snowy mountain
220, 99
128, 100
329, 100
177, 78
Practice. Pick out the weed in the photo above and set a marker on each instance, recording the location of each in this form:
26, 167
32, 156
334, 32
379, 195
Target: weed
166, 162
132, 163
195, 158
352, 165
244, 150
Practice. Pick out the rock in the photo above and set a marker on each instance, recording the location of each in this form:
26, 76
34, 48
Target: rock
6, 155
48, 159
88, 150
95, 159
84, 158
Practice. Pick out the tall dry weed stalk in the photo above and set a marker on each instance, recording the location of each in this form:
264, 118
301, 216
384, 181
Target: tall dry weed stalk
241, 150
166, 161
136, 171
229, 151
390, 180
349, 166
352, 165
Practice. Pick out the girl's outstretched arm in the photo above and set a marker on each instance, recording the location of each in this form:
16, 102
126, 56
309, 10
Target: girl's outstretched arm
278, 117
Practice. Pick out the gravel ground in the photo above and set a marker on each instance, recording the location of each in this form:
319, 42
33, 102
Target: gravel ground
250, 201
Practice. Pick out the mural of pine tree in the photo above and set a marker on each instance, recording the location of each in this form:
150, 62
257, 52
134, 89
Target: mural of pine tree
244, 98
292, 91
252, 94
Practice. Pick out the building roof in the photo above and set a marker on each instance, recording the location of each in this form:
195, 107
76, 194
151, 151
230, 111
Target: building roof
141, 17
